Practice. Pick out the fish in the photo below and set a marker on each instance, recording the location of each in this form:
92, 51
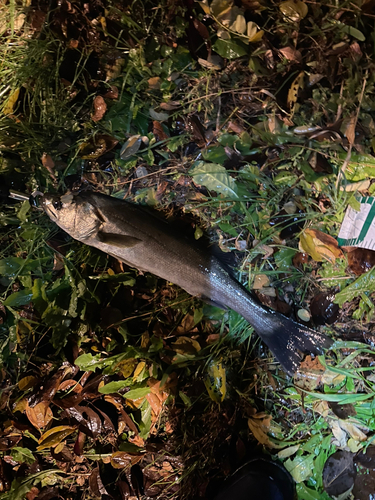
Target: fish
144, 240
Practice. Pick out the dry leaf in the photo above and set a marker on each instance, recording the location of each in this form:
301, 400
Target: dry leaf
54, 436
186, 345
340, 435
353, 430
253, 32
291, 54
40, 415
350, 129
259, 425
100, 107
154, 83
320, 246
260, 281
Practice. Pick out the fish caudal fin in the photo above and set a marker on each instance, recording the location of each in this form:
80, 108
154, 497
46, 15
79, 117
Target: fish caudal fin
286, 339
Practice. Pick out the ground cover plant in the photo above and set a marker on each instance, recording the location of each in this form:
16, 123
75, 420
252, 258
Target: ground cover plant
250, 124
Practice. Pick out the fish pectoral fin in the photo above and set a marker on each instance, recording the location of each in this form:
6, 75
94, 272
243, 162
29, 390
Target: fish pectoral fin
118, 240
211, 302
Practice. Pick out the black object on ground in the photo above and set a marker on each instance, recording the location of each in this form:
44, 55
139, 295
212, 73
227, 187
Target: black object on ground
259, 478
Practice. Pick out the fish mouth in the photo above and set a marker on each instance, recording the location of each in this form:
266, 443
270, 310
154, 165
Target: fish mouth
50, 203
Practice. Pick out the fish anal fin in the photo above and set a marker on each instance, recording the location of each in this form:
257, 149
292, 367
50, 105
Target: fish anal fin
118, 240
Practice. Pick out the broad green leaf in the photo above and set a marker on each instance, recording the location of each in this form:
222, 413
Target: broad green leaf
18, 299
300, 467
22, 455
284, 258
140, 392
215, 154
305, 493
360, 167
349, 30
230, 49
364, 283
87, 361
11, 266
145, 424
113, 387
214, 177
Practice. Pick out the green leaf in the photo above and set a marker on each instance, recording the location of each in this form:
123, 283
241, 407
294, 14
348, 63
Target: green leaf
349, 30
10, 267
215, 178
284, 258
145, 424
22, 455
86, 361
305, 493
215, 154
300, 468
18, 299
230, 49
114, 387
140, 392
364, 283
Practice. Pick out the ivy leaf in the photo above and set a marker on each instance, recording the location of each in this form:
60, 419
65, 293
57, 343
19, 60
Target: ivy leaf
18, 299
230, 49
214, 177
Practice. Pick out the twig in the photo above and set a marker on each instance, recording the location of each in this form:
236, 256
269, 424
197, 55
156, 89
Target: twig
349, 153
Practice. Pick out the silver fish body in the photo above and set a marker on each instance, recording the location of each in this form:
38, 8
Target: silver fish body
144, 241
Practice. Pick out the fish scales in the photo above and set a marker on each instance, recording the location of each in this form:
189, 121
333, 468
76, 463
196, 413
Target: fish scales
144, 241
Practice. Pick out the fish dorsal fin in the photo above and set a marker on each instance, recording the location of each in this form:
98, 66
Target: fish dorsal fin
118, 240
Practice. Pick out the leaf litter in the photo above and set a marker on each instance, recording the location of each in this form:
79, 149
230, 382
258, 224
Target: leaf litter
254, 122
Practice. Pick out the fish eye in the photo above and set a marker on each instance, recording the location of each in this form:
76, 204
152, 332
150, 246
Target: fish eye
57, 204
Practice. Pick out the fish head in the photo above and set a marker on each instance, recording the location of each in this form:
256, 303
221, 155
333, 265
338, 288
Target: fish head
73, 213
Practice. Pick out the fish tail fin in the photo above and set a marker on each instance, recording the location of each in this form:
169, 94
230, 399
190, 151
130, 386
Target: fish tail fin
286, 339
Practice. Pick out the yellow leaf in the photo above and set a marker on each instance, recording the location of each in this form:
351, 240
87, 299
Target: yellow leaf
126, 367
54, 436
295, 10
293, 91
27, 382
220, 7
138, 370
216, 381
205, 7
320, 246
39, 415
259, 425
253, 32
12, 99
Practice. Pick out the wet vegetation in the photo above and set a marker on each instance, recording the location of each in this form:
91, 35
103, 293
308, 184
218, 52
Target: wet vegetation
249, 123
